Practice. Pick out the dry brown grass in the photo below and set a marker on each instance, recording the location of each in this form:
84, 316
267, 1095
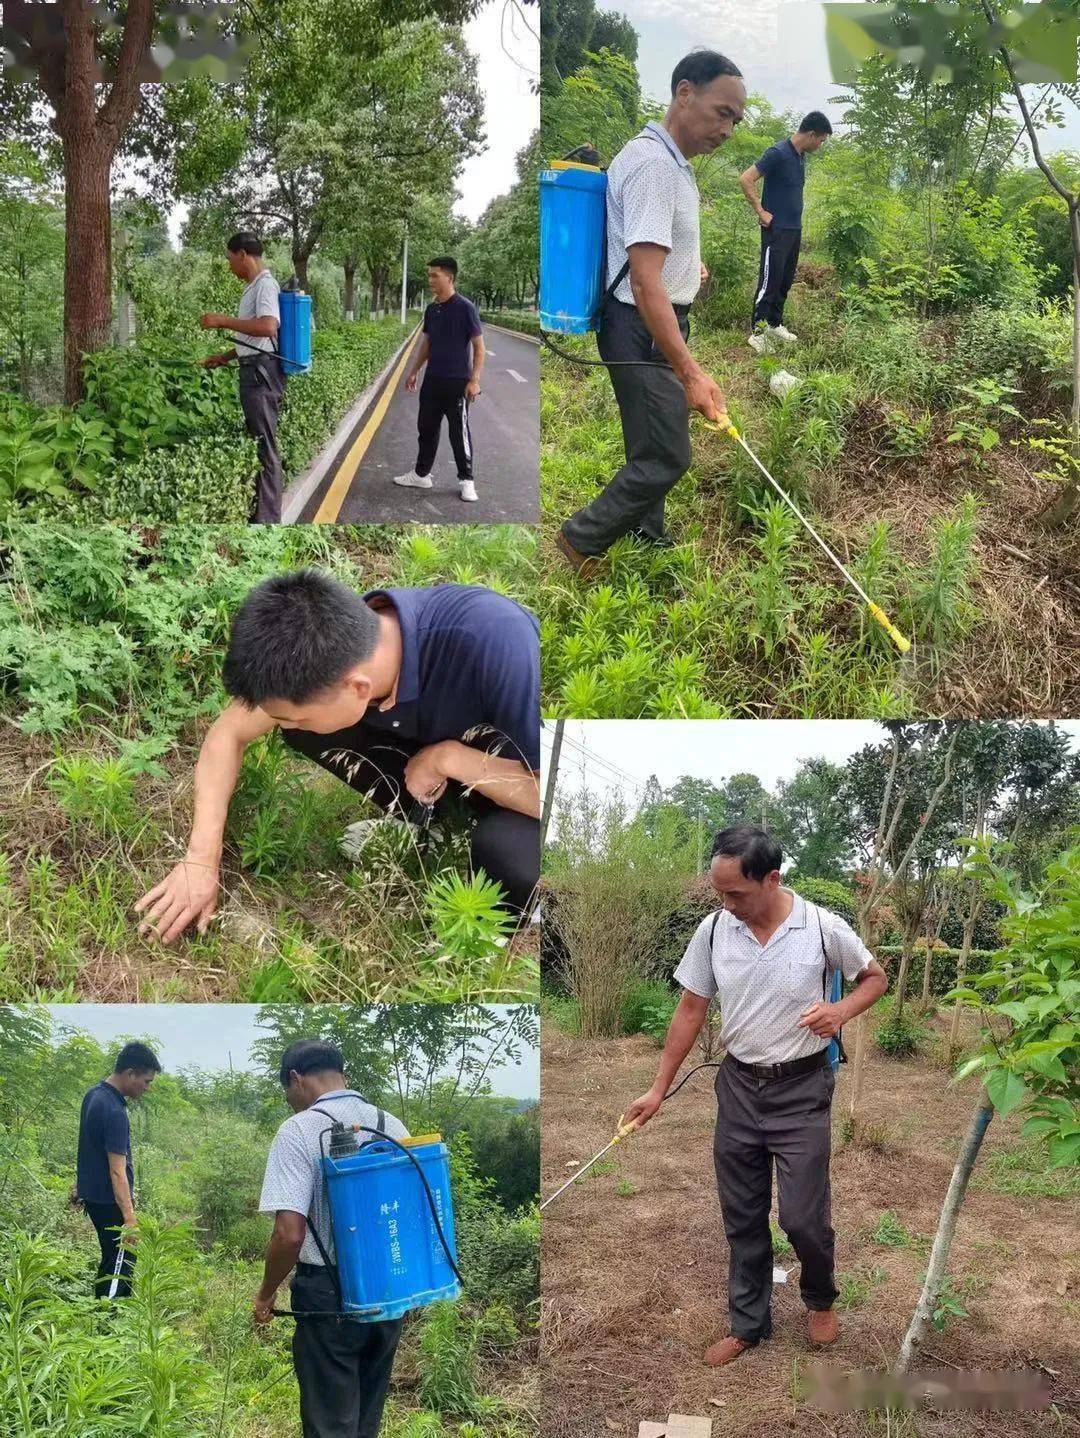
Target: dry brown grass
634, 1286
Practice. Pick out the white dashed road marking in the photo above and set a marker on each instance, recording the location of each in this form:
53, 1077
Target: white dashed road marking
519, 377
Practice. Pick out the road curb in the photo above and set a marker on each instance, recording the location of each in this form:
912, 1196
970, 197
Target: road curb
305, 484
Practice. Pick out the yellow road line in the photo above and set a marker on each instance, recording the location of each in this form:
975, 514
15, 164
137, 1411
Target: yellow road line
328, 510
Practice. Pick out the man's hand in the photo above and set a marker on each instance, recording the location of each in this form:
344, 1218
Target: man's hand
188, 895
764, 219
131, 1224
410, 384
824, 1020
706, 396
212, 361
643, 1108
472, 389
704, 272
424, 776
214, 321
261, 1310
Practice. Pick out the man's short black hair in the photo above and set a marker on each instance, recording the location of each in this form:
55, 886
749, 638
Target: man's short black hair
759, 852
816, 123
296, 635
444, 262
701, 67
136, 1056
310, 1056
247, 241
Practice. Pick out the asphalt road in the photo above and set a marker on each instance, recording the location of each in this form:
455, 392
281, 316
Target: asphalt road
505, 424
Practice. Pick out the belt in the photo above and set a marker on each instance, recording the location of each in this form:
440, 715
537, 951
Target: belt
679, 309
311, 1270
247, 360
773, 1072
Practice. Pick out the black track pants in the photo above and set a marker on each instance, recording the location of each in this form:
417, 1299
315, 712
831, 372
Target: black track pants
439, 399
776, 274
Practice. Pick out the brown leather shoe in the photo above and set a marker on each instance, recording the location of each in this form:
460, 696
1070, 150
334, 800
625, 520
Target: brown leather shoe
725, 1350
824, 1327
582, 564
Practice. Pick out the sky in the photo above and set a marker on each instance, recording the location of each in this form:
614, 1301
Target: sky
712, 749
778, 44
508, 66
211, 1036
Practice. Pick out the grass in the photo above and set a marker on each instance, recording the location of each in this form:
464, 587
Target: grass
1021, 1169
112, 643
745, 615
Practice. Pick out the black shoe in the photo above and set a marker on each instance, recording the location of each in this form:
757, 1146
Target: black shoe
663, 541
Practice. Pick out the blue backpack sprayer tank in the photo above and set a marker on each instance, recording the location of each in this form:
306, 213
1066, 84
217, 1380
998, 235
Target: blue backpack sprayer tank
392, 1218
293, 347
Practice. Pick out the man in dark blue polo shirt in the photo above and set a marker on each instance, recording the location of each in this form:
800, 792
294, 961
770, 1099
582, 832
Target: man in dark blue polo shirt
779, 213
405, 694
105, 1177
452, 347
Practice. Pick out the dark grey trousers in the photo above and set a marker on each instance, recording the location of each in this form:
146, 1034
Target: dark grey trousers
262, 388
776, 274
759, 1123
656, 435
343, 1368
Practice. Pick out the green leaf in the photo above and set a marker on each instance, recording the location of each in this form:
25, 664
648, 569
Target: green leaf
1006, 1090
1064, 1151
969, 1066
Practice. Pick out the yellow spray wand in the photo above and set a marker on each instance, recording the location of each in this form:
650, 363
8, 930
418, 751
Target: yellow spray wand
876, 612
623, 1131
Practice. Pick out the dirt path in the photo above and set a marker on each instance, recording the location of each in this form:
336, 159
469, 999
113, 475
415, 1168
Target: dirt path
634, 1283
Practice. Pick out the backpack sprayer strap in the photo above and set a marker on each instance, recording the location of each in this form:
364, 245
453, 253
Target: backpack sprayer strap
825, 981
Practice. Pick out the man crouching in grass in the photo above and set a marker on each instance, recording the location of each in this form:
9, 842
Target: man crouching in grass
398, 692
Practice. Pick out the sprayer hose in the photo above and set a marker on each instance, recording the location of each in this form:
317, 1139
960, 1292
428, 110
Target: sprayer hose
598, 363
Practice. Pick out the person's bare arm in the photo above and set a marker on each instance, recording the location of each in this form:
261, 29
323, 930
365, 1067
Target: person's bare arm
749, 181
120, 1186
825, 1020
261, 326
282, 1255
472, 389
189, 893
506, 782
419, 360
682, 1032
654, 306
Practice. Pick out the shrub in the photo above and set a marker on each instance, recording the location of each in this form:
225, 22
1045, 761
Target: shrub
899, 1034
344, 360
647, 1009
829, 893
205, 481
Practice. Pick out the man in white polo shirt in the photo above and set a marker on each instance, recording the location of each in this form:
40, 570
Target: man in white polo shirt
343, 1367
655, 271
768, 956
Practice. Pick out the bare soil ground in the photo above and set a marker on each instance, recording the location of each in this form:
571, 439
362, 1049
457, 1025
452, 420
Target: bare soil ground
634, 1282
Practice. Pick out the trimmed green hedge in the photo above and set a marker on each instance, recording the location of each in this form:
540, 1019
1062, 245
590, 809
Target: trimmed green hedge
526, 321
345, 360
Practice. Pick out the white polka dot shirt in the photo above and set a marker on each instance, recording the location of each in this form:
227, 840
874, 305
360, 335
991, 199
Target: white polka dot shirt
652, 198
763, 991
293, 1178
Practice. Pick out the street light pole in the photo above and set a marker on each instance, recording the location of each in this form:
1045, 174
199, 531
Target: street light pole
404, 272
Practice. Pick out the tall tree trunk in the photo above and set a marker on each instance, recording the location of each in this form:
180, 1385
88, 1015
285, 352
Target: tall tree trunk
349, 266
950, 1212
87, 255
907, 949
970, 920
300, 267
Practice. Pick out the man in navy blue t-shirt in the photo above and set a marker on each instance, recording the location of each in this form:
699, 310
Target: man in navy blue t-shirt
452, 347
779, 212
411, 696
105, 1176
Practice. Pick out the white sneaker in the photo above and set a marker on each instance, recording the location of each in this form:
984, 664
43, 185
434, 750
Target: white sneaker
412, 480
466, 489
757, 344
781, 332
357, 836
